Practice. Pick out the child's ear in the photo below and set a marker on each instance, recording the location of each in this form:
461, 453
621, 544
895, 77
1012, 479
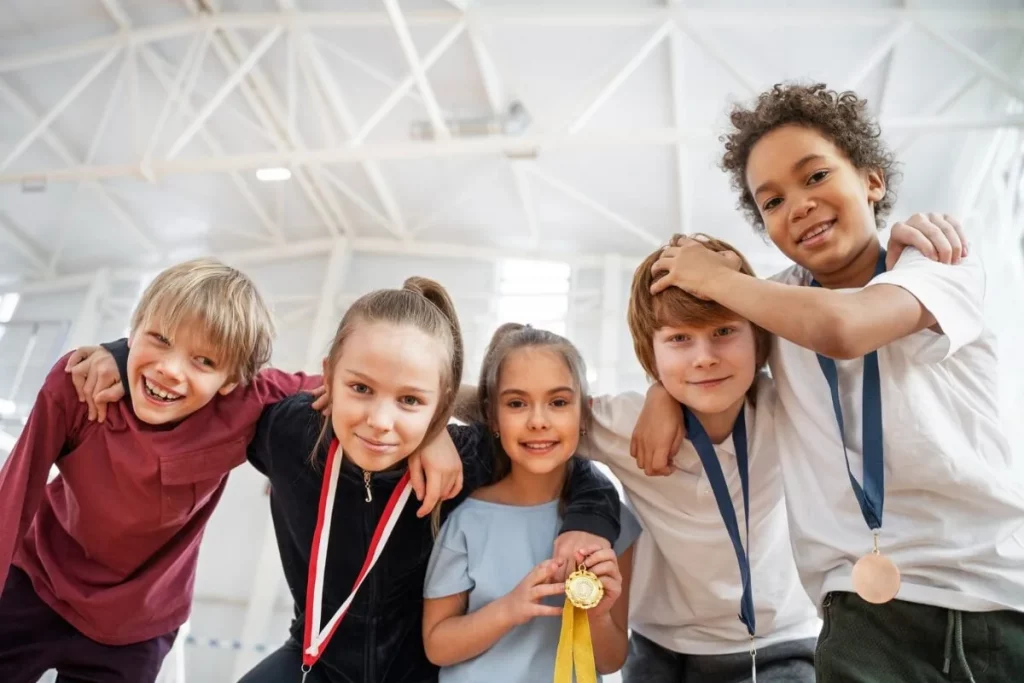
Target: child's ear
227, 388
876, 185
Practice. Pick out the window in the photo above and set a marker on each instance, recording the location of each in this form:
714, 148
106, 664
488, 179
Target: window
534, 293
8, 304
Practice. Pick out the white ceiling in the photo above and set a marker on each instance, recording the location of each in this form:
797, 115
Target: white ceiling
626, 100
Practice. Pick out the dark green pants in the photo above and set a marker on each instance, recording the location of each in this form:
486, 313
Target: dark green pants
904, 642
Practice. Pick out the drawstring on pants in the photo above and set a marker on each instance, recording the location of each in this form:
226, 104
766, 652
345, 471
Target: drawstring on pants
955, 640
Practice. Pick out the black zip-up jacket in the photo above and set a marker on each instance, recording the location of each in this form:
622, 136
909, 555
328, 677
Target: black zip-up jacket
380, 639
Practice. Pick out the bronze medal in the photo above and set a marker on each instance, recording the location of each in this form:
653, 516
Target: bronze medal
875, 578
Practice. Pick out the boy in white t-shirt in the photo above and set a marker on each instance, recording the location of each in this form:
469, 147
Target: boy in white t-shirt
688, 585
914, 544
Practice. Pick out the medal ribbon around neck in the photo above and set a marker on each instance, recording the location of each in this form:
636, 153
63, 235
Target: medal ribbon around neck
317, 634
875, 578
716, 478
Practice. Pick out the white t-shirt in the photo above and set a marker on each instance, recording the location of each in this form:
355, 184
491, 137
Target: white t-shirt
686, 589
954, 503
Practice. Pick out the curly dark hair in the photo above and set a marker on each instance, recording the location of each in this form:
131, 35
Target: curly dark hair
842, 117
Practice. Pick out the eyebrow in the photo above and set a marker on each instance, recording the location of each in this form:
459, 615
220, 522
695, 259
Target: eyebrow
556, 390
409, 388
796, 167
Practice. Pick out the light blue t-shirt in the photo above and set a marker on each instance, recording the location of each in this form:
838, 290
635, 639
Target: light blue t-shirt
487, 549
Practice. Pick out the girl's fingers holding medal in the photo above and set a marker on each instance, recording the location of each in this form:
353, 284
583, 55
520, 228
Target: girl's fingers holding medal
594, 557
606, 569
546, 590
543, 572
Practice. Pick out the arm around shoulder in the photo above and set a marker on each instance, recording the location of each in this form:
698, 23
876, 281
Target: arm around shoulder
287, 429
594, 505
24, 474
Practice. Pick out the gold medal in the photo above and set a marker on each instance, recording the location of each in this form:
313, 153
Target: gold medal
875, 578
583, 588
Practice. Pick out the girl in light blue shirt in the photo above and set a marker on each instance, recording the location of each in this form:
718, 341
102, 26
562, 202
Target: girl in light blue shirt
493, 597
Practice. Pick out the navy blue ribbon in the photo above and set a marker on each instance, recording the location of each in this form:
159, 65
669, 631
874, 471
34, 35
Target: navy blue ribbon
713, 469
870, 496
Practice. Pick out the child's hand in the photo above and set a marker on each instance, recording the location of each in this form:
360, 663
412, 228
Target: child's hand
940, 237
567, 546
524, 602
689, 264
435, 471
604, 564
321, 400
658, 433
96, 378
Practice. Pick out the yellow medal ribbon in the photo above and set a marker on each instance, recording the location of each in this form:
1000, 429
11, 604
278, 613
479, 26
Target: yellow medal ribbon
583, 590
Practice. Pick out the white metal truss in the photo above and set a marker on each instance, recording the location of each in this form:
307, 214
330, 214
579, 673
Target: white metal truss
217, 34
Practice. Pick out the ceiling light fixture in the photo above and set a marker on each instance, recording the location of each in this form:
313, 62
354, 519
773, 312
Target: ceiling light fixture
273, 175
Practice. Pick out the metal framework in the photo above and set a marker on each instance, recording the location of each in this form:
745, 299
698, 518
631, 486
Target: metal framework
272, 111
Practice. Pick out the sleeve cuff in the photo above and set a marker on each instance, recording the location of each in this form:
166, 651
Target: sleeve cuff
592, 524
119, 350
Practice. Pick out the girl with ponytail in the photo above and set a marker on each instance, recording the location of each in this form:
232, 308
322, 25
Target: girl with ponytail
354, 553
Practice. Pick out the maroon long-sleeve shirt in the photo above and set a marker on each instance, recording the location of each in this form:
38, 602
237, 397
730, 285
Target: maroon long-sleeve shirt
111, 544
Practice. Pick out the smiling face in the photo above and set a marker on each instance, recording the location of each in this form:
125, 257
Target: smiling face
385, 388
708, 368
538, 409
173, 373
817, 207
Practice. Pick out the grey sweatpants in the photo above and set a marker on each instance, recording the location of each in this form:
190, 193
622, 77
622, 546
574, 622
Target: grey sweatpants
648, 662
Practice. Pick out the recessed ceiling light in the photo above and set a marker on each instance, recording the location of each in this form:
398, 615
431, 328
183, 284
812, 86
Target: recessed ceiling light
273, 175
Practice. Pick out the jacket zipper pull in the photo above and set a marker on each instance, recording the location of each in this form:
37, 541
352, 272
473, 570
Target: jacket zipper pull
366, 483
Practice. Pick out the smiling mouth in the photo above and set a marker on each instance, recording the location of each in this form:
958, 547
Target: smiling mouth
538, 446
707, 383
375, 445
816, 231
158, 393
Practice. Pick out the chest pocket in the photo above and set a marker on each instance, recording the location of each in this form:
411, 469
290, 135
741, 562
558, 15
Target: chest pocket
189, 480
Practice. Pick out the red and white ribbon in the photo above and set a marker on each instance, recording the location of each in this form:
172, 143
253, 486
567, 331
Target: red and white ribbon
317, 634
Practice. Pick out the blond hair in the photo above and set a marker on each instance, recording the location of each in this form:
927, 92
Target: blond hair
424, 304
648, 312
221, 303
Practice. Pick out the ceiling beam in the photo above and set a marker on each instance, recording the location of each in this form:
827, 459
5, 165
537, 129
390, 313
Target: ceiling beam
419, 71
69, 97
329, 86
222, 94
684, 179
620, 76
517, 15
984, 67
598, 208
19, 238
407, 83
228, 45
878, 54
59, 147
217, 149
462, 147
